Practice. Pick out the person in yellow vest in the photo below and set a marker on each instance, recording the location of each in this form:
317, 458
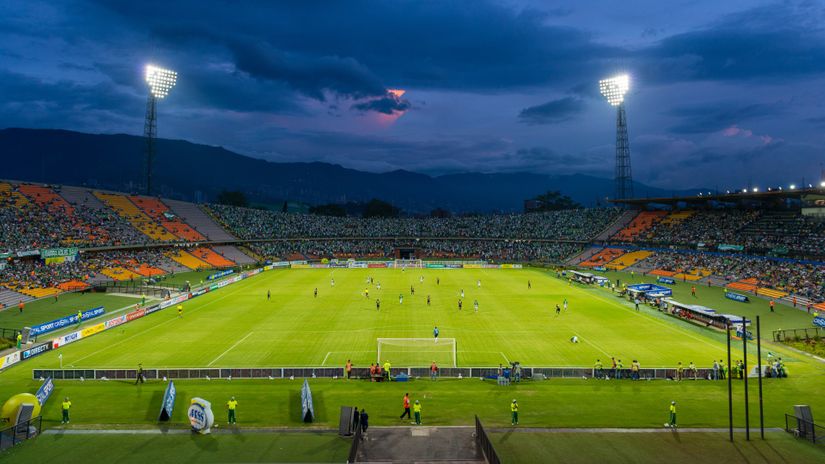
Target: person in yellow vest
180, 310
19, 341
417, 412
514, 412
672, 422
65, 407
387, 372
231, 405
79, 317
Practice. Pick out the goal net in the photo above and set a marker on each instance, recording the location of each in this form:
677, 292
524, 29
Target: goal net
408, 263
417, 352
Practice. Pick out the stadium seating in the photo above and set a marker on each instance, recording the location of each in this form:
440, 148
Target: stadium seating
8, 194
199, 220
742, 286
148, 271
187, 260
126, 209
626, 260
47, 199
771, 293
639, 225
72, 285
234, 254
120, 273
676, 218
39, 292
662, 273
158, 211
603, 257
212, 258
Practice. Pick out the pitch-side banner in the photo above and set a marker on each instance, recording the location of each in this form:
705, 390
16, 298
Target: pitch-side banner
65, 321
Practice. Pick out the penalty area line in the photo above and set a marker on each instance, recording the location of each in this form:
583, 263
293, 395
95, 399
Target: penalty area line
324, 362
230, 348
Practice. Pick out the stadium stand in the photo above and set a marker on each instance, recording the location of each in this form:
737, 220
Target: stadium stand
199, 220
233, 253
629, 259
9, 298
127, 210
211, 257
620, 223
639, 226
120, 273
47, 199
603, 257
187, 260
157, 210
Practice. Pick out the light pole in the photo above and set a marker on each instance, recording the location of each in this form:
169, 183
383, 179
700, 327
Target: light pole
614, 90
160, 82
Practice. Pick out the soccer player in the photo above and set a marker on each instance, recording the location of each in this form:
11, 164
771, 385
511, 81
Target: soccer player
428, 300
475, 305
514, 412
421, 279
478, 283
268, 295
435, 333
558, 309
331, 282
377, 304
180, 310
438, 280
400, 299
529, 285
672, 422
348, 369
378, 285
230, 407
65, 406
574, 339
406, 407
462, 293
565, 304
412, 290
459, 305
366, 292
417, 409
316, 292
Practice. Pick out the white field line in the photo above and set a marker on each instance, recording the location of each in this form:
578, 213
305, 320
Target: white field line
504, 356
150, 328
230, 348
325, 358
591, 344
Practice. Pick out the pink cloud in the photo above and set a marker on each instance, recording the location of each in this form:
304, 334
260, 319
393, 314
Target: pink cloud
734, 131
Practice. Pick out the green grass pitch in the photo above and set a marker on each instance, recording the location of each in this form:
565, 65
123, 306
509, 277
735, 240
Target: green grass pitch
237, 327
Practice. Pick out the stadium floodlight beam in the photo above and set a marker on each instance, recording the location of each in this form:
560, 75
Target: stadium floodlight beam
160, 82
614, 90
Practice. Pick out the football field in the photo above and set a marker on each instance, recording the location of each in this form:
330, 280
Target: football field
239, 327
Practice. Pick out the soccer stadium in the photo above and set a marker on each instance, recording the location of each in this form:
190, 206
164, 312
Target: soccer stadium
152, 310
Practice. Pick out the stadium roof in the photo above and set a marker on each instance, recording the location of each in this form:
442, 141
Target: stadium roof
730, 196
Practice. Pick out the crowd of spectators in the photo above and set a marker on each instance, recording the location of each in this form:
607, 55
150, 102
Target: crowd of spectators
577, 225
803, 280
493, 250
758, 232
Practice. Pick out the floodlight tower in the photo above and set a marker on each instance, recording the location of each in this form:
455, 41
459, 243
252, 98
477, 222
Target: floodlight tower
160, 82
614, 89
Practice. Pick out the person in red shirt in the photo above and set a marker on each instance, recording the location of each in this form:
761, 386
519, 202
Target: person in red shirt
433, 371
771, 303
20, 306
406, 407
693, 291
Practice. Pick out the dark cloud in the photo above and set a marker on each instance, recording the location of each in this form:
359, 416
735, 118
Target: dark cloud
388, 104
553, 111
697, 119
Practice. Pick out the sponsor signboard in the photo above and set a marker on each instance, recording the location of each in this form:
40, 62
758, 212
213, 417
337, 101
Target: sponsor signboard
729, 247
136, 314
666, 280
45, 391
66, 339
9, 359
300, 266
218, 275
168, 403
278, 264
58, 252
36, 350
377, 265
819, 321
91, 330
357, 265
599, 268
66, 321
115, 322
200, 415
472, 266
736, 297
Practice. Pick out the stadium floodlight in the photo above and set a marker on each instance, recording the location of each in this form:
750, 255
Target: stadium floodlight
160, 82
755, 189
614, 90
793, 187
822, 184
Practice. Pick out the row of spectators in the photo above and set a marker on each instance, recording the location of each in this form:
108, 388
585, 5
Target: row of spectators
494, 250
579, 224
26, 226
804, 280
758, 232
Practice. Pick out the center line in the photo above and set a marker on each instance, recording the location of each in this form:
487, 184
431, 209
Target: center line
230, 348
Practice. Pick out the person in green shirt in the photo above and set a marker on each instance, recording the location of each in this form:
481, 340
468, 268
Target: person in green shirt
417, 411
672, 422
19, 341
387, 367
231, 405
65, 407
514, 412
79, 317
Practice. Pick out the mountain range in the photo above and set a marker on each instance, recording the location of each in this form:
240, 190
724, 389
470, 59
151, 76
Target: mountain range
190, 171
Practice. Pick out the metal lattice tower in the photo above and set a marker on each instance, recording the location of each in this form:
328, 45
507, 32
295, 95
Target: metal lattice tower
623, 175
160, 83
150, 131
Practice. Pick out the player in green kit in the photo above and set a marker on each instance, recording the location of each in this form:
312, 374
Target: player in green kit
231, 405
514, 412
417, 412
672, 422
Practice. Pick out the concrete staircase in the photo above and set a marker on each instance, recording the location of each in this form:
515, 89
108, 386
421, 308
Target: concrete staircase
81, 196
10, 298
583, 256
620, 223
233, 254
196, 218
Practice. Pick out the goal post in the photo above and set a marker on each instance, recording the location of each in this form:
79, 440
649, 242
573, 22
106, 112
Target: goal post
417, 352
